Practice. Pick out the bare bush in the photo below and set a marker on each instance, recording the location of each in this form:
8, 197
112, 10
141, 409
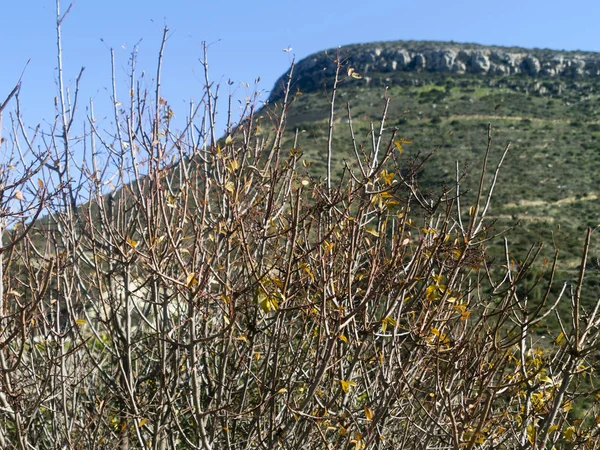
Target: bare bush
225, 297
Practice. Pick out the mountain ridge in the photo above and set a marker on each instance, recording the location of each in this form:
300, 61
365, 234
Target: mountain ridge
372, 60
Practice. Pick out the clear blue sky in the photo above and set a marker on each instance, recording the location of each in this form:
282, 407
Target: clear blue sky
248, 37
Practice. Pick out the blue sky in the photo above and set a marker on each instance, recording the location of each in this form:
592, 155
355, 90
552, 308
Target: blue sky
247, 38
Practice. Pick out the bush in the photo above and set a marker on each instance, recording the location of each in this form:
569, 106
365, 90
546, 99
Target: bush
224, 297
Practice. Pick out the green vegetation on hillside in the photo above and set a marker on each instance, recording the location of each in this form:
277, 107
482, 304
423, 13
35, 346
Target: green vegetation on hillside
548, 184
310, 280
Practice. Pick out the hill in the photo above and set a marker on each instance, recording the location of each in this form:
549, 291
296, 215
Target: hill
443, 96
329, 274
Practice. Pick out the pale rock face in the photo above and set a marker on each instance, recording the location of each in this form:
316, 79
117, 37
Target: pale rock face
441, 60
499, 69
390, 57
480, 63
403, 58
531, 65
459, 67
548, 71
513, 61
557, 63
420, 61
578, 66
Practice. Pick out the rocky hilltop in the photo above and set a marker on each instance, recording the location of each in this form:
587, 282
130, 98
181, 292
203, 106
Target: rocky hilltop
381, 58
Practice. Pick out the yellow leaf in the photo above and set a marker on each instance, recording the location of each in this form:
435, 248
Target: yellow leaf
265, 302
328, 246
432, 292
191, 280
387, 177
233, 165
388, 321
559, 339
229, 186
142, 422
40, 184
346, 385
531, 433
569, 434
228, 140
343, 338
372, 231
472, 210
368, 413
358, 442
399, 146
81, 321
553, 428
399, 143
132, 243
282, 391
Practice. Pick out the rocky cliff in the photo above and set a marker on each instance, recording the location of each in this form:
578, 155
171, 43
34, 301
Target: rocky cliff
386, 58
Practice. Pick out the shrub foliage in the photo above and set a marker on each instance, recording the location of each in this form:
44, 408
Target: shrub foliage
224, 297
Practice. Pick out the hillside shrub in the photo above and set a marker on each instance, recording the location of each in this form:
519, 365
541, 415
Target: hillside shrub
223, 296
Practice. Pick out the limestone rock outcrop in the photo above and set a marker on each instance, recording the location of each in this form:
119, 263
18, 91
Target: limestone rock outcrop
382, 58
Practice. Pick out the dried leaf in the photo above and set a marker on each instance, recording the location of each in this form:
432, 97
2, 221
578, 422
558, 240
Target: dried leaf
372, 231
346, 385
191, 280
399, 143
